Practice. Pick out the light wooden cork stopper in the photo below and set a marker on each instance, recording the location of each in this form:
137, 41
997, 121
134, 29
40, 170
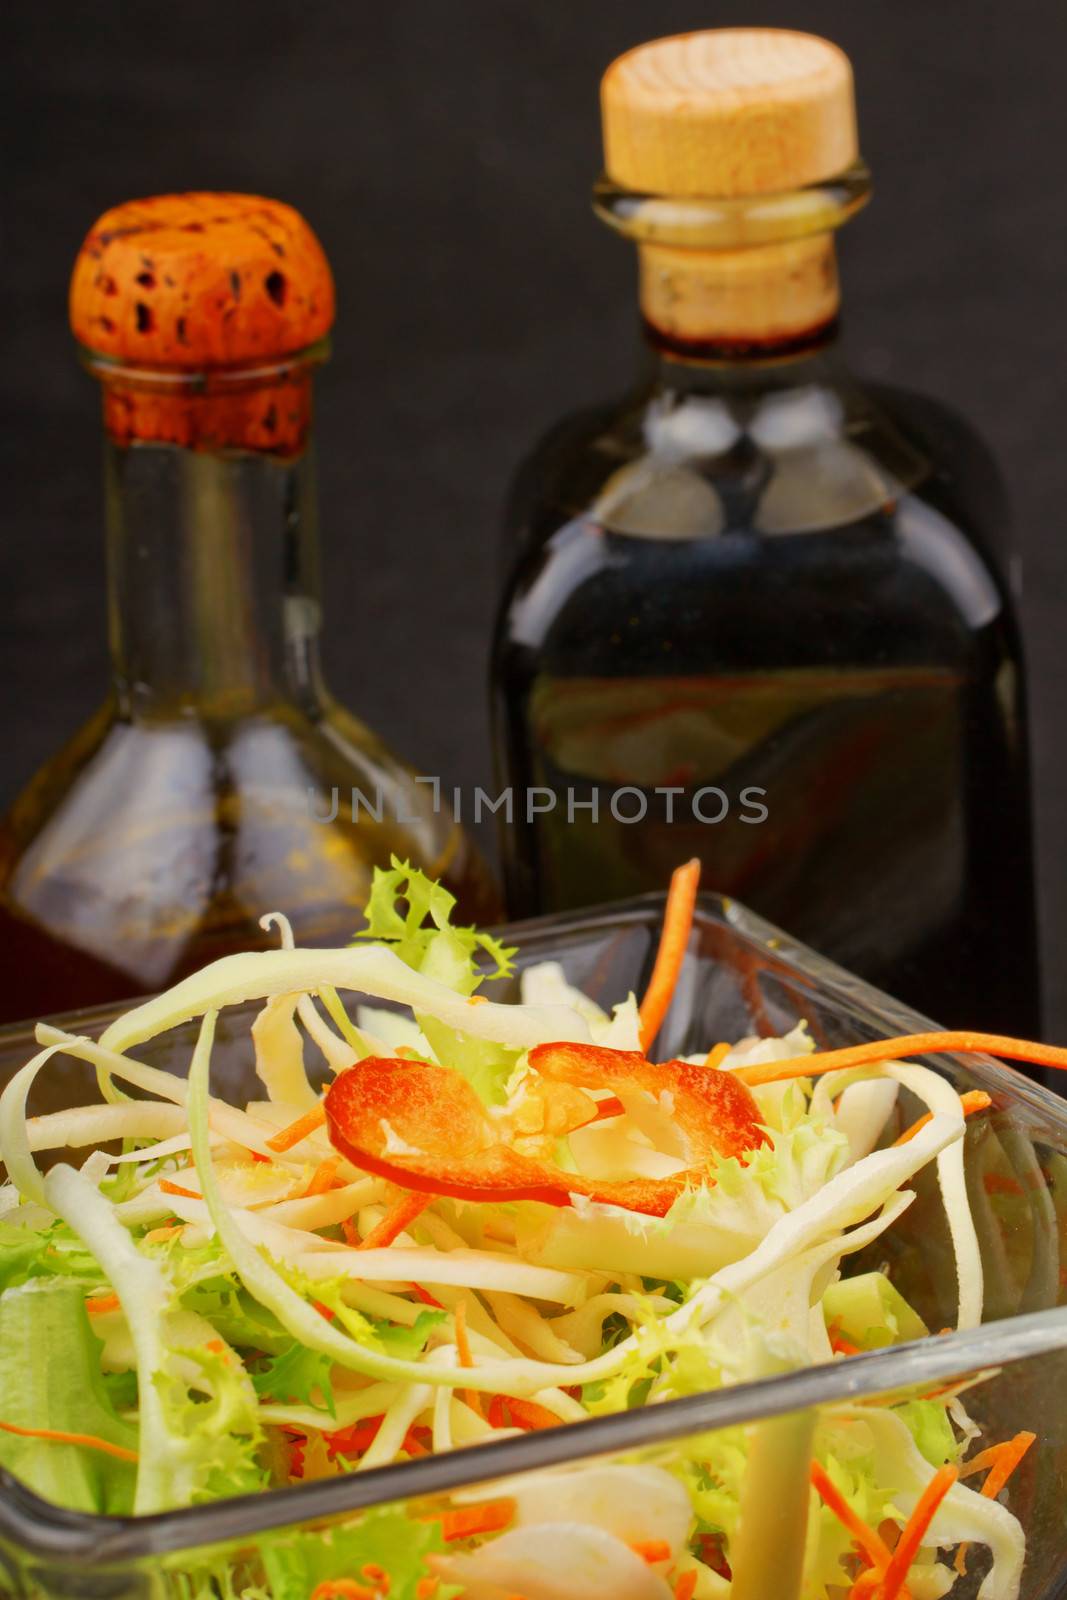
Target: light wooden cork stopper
728, 112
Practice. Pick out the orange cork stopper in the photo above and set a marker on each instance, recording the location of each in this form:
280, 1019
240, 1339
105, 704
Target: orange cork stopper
226, 289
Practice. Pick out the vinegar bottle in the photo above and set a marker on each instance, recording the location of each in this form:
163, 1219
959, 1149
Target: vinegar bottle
751, 612
218, 781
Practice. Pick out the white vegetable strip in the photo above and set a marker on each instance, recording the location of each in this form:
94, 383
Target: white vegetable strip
324, 1210
937, 1093
372, 969
225, 1119
847, 1199
335, 1051
96, 1124
280, 1053
466, 1269
386, 1444
143, 1292
15, 1149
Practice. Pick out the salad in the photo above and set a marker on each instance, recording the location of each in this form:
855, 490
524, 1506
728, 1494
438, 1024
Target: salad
491, 1219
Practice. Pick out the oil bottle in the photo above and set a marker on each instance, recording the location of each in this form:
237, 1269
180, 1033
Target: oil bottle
220, 780
752, 612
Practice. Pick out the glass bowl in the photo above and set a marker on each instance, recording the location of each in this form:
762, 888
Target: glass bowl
741, 976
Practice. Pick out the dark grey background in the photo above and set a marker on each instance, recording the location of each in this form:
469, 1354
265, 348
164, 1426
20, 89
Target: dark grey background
444, 152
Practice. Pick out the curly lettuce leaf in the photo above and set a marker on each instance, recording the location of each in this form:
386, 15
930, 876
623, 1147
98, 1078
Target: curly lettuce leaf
298, 1375
422, 933
297, 1563
413, 916
50, 1378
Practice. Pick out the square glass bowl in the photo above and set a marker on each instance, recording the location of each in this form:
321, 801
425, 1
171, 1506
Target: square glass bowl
741, 977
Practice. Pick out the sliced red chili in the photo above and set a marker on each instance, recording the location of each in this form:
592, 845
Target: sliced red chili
422, 1126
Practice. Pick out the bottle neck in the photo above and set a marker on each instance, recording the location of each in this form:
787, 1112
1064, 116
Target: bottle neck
212, 580
738, 305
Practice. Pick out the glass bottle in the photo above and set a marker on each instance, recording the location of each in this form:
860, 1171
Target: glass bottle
751, 611
221, 780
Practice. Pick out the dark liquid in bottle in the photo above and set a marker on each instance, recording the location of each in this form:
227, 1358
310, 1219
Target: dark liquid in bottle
829, 716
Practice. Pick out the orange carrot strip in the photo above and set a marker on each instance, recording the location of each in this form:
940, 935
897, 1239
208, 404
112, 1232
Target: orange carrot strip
425, 1296
323, 1176
298, 1130
651, 1550
466, 1357
1001, 1459
910, 1044
99, 1305
375, 1574
871, 1543
717, 1055
88, 1440
463, 1522
176, 1188
527, 1414
907, 1547
406, 1209
974, 1100
426, 1588
686, 1585
351, 1233
677, 923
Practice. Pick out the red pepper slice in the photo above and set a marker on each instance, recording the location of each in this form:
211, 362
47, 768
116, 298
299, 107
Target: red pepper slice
423, 1127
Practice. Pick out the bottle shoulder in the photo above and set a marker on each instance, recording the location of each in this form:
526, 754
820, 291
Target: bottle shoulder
814, 496
147, 836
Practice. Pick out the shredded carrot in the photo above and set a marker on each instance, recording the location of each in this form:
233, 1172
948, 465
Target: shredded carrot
974, 1100
163, 1233
354, 1440
717, 1055
410, 1205
425, 1296
686, 1585
351, 1233
677, 922
324, 1311
911, 1538
89, 1441
426, 1588
1001, 1461
843, 1347
308, 1123
175, 1188
99, 1305
910, 1044
651, 1550
466, 1357
323, 1176
871, 1543
464, 1522
343, 1589
529, 1415
375, 1574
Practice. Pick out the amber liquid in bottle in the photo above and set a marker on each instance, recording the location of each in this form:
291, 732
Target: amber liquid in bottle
752, 615
221, 780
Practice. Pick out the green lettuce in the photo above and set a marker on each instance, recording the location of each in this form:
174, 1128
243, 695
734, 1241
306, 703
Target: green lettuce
50, 1378
387, 1538
413, 916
